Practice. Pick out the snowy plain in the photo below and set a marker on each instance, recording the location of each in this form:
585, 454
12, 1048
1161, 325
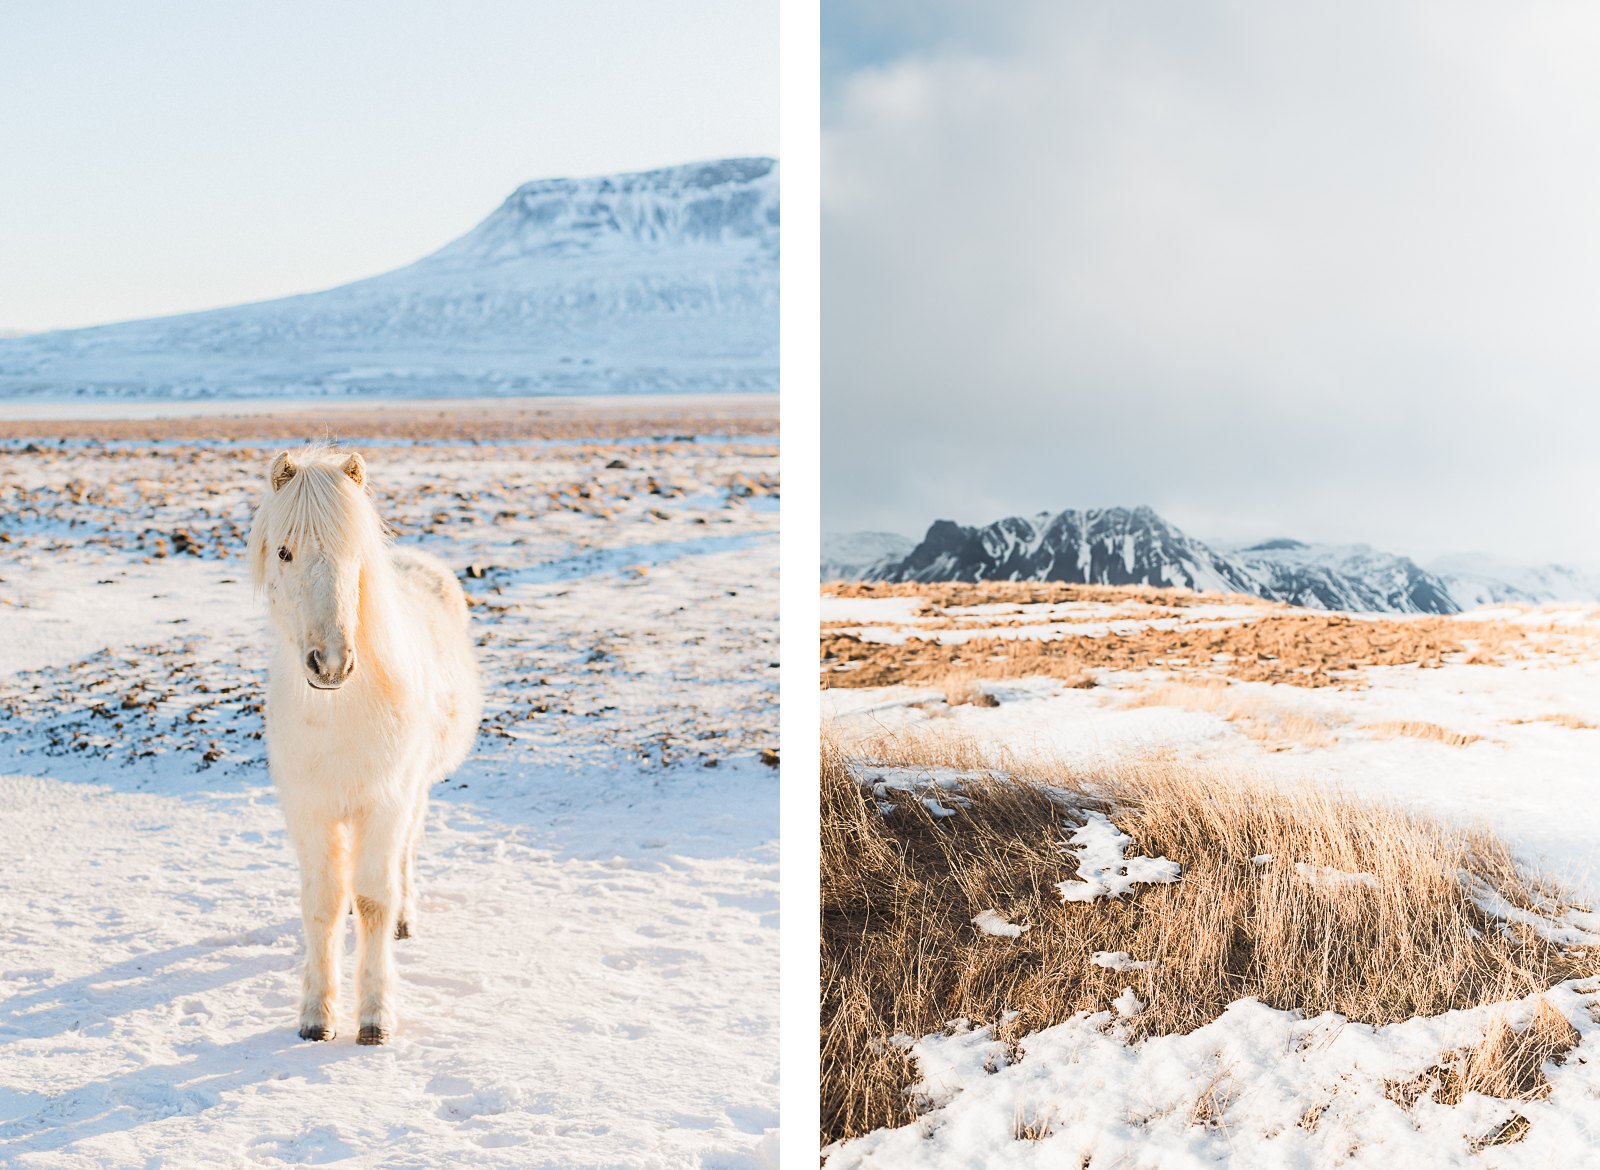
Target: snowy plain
1554, 819
1261, 1087
595, 981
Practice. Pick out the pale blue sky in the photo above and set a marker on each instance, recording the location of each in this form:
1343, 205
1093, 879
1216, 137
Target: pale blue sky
166, 156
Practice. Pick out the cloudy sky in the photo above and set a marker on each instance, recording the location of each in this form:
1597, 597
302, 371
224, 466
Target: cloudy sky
172, 155
1329, 270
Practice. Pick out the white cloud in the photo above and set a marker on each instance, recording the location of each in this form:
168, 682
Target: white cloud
1325, 270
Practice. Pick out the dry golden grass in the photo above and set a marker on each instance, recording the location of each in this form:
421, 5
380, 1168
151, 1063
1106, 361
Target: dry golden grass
1510, 1064
481, 419
1506, 1063
1031, 1129
926, 624
958, 688
1271, 723
1420, 729
1493, 642
1561, 720
961, 688
1277, 643
1302, 648
900, 955
1213, 1101
1511, 1131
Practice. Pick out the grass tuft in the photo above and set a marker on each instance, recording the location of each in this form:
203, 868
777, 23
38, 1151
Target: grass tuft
1506, 1063
1418, 729
1560, 719
1254, 714
960, 688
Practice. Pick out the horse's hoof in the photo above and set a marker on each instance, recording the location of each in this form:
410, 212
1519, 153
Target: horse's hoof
402, 929
373, 1034
316, 1032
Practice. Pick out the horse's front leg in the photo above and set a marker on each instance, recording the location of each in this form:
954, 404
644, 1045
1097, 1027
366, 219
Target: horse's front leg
323, 897
406, 927
381, 838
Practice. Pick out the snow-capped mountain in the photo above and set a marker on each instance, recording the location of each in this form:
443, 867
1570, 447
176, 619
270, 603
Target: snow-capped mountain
1353, 577
858, 556
1135, 546
1479, 579
663, 280
1104, 546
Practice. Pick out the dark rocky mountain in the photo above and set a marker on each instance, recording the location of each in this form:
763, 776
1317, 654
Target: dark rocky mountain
1135, 546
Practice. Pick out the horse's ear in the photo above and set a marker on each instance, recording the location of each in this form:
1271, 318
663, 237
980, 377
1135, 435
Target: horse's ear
355, 467
283, 470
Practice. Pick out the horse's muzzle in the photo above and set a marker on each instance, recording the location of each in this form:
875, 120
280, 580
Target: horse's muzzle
321, 678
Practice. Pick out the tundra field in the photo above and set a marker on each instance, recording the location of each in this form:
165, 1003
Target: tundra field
1133, 877
595, 977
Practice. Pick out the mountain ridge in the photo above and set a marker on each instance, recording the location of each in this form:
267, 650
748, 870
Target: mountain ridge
1136, 546
658, 280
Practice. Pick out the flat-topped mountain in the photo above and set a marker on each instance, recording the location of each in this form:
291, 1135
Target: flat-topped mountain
662, 280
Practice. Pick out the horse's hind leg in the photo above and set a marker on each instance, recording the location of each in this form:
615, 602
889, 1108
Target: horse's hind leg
323, 860
406, 927
380, 842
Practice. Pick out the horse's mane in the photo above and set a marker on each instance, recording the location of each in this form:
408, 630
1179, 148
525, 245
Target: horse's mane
319, 502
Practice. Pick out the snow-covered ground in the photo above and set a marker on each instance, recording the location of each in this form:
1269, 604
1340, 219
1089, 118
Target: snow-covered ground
1234, 1092
595, 981
1255, 1089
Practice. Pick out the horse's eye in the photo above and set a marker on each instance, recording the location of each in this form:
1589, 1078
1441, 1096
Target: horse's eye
285, 555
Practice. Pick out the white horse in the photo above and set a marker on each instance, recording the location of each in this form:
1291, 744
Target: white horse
372, 696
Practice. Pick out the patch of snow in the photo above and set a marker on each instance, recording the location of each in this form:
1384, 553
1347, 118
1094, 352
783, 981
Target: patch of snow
1127, 1005
995, 923
1556, 927
929, 785
1103, 870
1325, 875
1121, 961
871, 610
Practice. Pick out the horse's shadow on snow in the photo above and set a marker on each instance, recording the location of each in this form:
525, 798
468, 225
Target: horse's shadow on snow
152, 1093
145, 982
156, 984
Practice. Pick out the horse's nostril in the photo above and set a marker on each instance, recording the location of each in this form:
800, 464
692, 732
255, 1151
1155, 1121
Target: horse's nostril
314, 662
